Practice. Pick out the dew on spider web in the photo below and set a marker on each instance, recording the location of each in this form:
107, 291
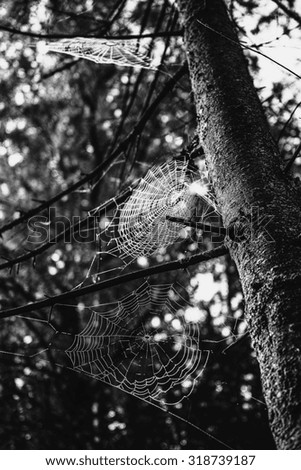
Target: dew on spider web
145, 344
102, 51
141, 345
170, 189
139, 226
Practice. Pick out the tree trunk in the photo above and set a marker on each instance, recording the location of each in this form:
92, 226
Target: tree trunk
258, 200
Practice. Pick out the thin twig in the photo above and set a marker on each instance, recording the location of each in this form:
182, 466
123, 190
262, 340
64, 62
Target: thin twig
244, 46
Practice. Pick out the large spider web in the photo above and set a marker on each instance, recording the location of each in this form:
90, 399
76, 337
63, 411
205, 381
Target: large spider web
146, 344
102, 51
142, 344
140, 226
167, 190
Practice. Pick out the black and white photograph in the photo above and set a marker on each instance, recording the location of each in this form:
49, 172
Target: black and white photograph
150, 231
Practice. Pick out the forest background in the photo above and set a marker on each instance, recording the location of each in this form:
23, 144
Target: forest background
62, 118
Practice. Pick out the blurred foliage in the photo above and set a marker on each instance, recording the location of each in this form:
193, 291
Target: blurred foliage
60, 118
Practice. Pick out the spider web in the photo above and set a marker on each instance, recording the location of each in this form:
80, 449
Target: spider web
167, 190
142, 344
139, 227
102, 51
145, 345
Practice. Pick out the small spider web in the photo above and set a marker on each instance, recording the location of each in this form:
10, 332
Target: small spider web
142, 345
102, 51
139, 227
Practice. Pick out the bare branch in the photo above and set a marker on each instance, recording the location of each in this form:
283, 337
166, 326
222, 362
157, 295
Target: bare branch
245, 46
291, 13
291, 161
288, 121
101, 169
199, 225
162, 268
31, 34
74, 228
65, 66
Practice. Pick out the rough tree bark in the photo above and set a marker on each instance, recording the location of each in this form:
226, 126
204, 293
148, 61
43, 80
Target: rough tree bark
255, 197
